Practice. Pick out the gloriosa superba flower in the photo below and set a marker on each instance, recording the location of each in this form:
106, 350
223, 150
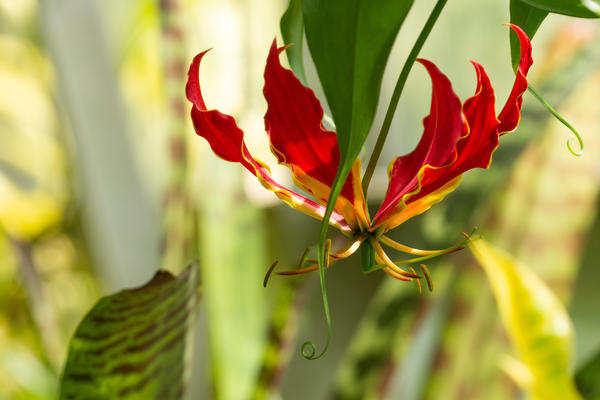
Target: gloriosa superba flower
457, 137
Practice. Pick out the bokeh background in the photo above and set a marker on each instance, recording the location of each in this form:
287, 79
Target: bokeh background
102, 182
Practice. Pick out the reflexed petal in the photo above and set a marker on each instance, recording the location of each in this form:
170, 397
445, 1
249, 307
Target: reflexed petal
444, 126
298, 139
473, 150
511, 113
227, 141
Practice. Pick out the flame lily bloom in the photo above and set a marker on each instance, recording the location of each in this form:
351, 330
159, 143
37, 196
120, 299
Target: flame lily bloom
457, 137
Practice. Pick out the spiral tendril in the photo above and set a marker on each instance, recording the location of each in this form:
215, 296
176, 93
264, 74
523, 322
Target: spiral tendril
310, 353
563, 121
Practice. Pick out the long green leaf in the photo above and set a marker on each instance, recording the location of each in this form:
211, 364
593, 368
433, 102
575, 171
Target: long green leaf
117, 214
351, 62
292, 30
536, 322
573, 8
529, 18
132, 345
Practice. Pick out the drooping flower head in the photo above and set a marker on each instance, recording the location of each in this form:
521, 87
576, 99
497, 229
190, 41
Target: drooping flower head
457, 137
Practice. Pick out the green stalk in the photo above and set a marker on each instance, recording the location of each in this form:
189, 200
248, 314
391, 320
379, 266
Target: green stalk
561, 119
389, 116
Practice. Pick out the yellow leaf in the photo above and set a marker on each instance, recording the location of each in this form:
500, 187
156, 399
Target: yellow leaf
536, 322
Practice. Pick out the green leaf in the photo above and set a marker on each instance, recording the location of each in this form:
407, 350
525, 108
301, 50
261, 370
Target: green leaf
536, 322
132, 345
292, 30
529, 18
351, 62
588, 379
573, 8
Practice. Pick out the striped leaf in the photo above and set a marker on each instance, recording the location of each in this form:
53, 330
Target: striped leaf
132, 345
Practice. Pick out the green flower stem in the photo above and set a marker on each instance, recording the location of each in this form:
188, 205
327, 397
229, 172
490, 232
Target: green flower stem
389, 116
561, 119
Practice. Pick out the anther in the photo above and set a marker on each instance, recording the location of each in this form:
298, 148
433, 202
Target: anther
425, 271
417, 281
303, 258
268, 274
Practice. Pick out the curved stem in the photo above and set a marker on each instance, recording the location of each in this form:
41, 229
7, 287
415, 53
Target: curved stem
389, 116
561, 119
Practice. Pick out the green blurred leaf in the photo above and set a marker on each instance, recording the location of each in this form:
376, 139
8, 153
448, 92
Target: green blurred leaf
415, 368
292, 30
529, 18
588, 379
380, 340
117, 212
232, 244
536, 322
573, 8
351, 62
132, 345
586, 300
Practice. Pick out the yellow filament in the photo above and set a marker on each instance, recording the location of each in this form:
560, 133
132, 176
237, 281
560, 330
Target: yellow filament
395, 275
383, 258
406, 249
346, 251
417, 281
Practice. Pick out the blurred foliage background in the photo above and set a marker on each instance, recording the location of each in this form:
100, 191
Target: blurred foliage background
102, 181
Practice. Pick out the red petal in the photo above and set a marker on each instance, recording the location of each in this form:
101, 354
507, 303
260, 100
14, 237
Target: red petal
443, 128
227, 141
511, 113
298, 139
473, 150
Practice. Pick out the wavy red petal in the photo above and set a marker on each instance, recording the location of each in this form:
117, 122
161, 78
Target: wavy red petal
473, 150
444, 126
227, 141
293, 122
511, 112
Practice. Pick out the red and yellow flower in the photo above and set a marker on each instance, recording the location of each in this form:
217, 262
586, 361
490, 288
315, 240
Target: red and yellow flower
457, 137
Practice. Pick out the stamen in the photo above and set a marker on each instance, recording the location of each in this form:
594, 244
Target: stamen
268, 274
303, 258
418, 252
417, 281
312, 268
326, 252
406, 249
425, 271
383, 258
350, 248
346, 251
393, 274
